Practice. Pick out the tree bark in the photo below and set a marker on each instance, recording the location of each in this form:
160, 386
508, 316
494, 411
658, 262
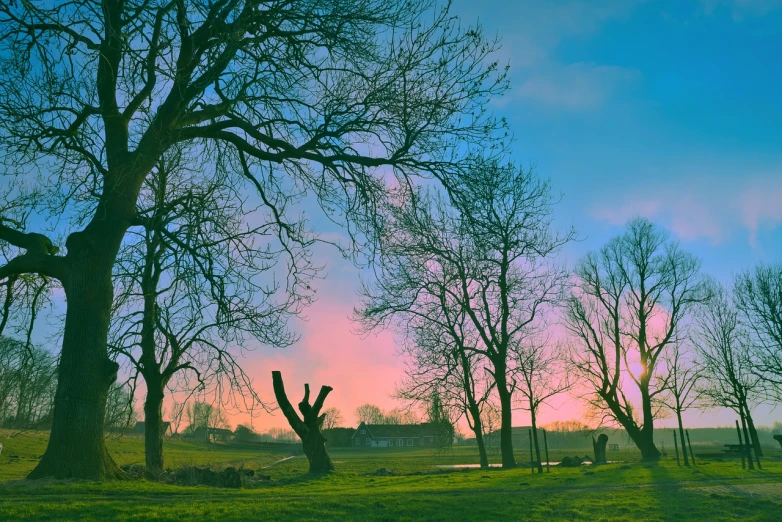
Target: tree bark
649, 451
309, 427
153, 428
76, 447
681, 437
506, 426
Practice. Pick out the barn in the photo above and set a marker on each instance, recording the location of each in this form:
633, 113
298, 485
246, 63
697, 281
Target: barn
397, 435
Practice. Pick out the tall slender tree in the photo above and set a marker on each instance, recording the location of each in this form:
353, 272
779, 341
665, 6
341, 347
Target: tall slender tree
323, 94
625, 313
541, 374
758, 296
724, 355
680, 378
484, 254
195, 282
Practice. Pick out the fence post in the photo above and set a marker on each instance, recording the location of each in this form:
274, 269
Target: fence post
692, 455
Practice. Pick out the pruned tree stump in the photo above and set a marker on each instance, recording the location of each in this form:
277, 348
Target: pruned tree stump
599, 447
309, 426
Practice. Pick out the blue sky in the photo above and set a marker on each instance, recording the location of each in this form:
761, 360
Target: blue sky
669, 110
665, 109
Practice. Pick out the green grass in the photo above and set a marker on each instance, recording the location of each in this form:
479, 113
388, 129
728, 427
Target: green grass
715, 490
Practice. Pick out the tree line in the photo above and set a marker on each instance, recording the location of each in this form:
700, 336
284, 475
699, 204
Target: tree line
470, 281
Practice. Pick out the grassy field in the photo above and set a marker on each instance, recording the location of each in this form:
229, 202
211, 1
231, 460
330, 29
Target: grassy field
420, 490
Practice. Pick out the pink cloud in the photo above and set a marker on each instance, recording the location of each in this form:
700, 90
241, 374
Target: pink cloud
761, 205
704, 207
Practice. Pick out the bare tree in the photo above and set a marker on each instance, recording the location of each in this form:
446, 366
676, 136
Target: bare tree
27, 384
758, 295
724, 354
195, 282
485, 254
120, 410
322, 94
333, 419
201, 415
439, 364
541, 373
177, 414
626, 310
680, 378
370, 414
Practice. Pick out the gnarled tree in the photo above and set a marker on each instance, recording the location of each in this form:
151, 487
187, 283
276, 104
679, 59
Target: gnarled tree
308, 427
321, 94
624, 314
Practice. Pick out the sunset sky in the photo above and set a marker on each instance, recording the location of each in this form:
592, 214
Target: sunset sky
665, 109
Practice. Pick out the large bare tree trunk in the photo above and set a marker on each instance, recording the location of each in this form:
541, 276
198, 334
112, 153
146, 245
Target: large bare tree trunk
506, 426
309, 427
649, 451
76, 445
153, 428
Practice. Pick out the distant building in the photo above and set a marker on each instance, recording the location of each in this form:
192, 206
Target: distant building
210, 434
138, 429
519, 434
398, 435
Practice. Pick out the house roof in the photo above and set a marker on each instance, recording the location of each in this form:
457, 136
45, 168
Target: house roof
382, 431
139, 427
219, 431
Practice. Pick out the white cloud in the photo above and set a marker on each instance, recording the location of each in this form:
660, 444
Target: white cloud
576, 86
712, 207
741, 9
761, 206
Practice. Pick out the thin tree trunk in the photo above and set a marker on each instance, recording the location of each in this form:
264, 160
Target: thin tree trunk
747, 442
506, 426
681, 437
473, 410
76, 446
753, 433
477, 428
535, 438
